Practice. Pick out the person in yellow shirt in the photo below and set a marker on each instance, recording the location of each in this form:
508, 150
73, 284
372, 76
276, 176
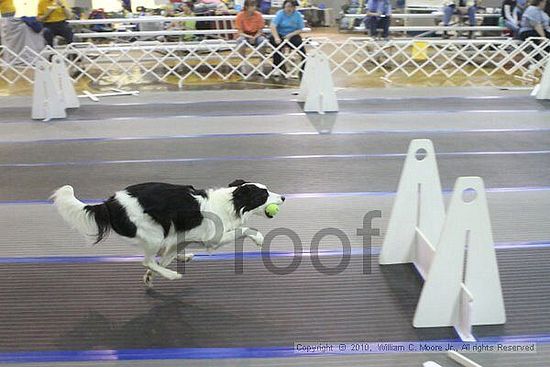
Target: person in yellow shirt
7, 10
54, 15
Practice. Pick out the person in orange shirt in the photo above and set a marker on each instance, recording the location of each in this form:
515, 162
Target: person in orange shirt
54, 15
7, 10
250, 24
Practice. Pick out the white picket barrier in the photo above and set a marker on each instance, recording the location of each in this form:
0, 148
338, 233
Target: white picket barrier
114, 64
454, 253
53, 90
317, 87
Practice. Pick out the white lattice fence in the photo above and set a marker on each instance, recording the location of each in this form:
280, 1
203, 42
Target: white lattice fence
156, 61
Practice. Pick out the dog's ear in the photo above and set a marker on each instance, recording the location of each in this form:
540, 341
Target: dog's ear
248, 197
236, 183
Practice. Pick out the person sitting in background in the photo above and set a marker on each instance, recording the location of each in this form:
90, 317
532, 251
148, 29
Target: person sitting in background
509, 15
378, 17
462, 7
250, 24
287, 25
99, 14
521, 5
22, 36
54, 15
188, 25
535, 22
352, 7
7, 9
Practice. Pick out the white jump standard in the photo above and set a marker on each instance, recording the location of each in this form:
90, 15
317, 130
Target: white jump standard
542, 90
317, 87
53, 90
454, 253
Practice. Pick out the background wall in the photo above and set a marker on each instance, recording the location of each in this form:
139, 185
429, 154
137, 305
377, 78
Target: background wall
28, 7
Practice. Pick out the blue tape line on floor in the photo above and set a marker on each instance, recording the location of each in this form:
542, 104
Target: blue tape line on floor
214, 353
229, 255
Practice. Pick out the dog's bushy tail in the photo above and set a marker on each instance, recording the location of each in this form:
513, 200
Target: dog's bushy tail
92, 221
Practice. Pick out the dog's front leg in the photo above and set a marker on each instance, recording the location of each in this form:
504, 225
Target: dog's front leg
254, 235
237, 233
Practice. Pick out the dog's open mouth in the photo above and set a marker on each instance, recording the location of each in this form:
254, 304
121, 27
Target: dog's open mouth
269, 215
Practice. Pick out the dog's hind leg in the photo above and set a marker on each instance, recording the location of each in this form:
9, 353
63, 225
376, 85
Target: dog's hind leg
168, 254
148, 278
184, 257
167, 273
150, 262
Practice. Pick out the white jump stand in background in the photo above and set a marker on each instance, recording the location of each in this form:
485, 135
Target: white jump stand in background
317, 88
61, 75
454, 253
542, 90
53, 90
47, 102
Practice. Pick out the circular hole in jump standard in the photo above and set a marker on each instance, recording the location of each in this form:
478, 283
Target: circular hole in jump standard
469, 195
421, 154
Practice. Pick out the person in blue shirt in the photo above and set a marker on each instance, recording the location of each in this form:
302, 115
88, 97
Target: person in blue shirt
535, 22
521, 5
285, 29
378, 17
511, 12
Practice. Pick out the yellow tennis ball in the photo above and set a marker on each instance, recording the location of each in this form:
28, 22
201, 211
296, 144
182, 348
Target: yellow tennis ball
271, 210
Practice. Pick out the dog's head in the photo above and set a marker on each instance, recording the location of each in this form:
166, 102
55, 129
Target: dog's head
253, 198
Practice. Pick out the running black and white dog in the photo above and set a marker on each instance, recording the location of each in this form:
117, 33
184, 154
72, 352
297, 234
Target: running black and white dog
161, 216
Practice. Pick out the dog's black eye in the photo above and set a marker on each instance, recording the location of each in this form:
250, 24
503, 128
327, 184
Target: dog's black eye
237, 182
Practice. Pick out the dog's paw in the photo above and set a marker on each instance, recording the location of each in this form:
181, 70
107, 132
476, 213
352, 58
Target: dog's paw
148, 279
175, 276
258, 238
185, 257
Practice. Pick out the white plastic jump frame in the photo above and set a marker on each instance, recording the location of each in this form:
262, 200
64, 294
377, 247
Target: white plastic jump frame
542, 90
53, 90
453, 253
116, 93
317, 87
